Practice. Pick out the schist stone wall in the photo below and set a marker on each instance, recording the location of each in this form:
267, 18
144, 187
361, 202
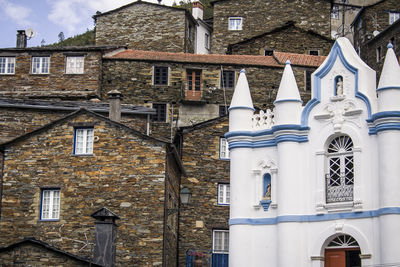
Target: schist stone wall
205, 171
147, 26
126, 174
15, 121
55, 85
134, 80
288, 38
260, 16
31, 254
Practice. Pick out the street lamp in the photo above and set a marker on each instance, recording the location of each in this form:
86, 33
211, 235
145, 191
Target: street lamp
184, 196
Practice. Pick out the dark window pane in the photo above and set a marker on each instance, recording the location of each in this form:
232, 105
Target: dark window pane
161, 114
227, 79
161, 75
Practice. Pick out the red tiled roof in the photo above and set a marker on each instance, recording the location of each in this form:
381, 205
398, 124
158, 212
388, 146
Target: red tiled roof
196, 58
299, 59
278, 60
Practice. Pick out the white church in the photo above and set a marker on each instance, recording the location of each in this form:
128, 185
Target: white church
319, 184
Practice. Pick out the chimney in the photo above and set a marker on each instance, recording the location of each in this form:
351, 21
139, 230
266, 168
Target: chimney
115, 97
21, 39
105, 237
197, 10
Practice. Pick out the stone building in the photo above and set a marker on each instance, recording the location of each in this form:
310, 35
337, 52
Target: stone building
187, 89
375, 27
288, 37
235, 21
54, 178
319, 186
67, 73
205, 220
147, 26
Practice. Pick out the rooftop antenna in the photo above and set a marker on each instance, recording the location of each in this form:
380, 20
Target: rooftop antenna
30, 33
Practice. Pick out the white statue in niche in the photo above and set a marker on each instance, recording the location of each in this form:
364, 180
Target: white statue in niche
339, 86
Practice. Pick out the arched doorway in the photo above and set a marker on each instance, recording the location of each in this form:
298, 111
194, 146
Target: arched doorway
342, 251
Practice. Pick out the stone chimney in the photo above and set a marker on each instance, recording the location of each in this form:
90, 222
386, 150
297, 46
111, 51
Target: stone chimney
105, 237
21, 39
197, 10
115, 97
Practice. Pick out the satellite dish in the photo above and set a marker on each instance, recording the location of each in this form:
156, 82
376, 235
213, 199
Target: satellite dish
375, 33
30, 33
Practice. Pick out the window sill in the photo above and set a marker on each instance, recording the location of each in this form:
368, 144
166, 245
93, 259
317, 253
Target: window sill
83, 155
40, 74
223, 205
7, 74
227, 159
72, 74
49, 220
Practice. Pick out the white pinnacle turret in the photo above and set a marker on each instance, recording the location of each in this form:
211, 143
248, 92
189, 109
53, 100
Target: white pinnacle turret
390, 76
241, 97
389, 83
288, 101
241, 108
288, 90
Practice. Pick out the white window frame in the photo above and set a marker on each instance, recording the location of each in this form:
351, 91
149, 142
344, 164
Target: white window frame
235, 23
220, 241
223, 148
41, 65
335, 12
393, 16
7, 65
75, 65
224, 194
207, 40
83, 141
50, 204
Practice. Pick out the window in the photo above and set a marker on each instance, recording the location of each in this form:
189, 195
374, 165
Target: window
7, 65
313, 52
335, 12
235, 24
160, 76
227, 79
50, 205
83, 144
268, 52
194, 80
207, 40
378, 54
393, 16
224, 194
308, 80
75, 65
161, 112
223, 111
40, 65
223, 148
220, 241
340, 176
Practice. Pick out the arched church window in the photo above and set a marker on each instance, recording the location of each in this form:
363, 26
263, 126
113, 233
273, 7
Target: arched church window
340, 176
343, 241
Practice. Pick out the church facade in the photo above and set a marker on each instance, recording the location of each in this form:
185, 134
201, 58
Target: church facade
317, 185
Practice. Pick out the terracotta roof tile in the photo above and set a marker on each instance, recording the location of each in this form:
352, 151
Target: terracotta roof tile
299, 59
197, 58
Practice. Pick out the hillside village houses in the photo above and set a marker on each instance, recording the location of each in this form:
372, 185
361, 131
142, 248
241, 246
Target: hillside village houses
101, 144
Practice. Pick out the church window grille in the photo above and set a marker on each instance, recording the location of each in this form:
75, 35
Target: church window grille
340, 177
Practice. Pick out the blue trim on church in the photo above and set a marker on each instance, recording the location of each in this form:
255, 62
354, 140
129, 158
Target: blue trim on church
315, 218
336, 51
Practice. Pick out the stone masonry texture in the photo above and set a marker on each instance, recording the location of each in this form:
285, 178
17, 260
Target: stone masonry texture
289, 39
200, 154
55, 85
146, 26
127, 173
261, 16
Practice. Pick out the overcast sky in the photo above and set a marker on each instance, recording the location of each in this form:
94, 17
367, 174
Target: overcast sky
50, 17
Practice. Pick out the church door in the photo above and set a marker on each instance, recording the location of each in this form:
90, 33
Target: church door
347, 257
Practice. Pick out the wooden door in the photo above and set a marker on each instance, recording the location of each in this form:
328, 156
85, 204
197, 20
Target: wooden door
335, 258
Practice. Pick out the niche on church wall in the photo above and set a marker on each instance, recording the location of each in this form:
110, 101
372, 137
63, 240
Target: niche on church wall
266, 199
